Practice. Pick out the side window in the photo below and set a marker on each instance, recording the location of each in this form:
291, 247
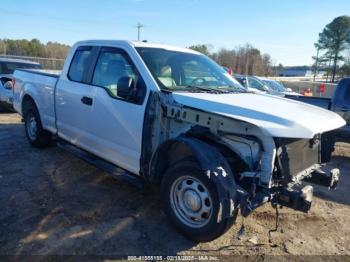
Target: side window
255, 84
78, 65
115, 72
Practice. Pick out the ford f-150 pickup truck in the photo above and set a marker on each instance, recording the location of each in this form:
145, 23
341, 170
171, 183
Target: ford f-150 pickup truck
172, 117
339, 103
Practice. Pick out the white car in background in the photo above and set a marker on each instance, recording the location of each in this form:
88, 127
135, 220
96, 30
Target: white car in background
252, 84
276, 88
7, 67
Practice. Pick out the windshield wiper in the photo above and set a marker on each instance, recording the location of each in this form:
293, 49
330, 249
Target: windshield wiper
213, 90
204, 89
232, 89
200, 88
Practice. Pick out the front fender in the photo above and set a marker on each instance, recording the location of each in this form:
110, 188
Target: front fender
211, 161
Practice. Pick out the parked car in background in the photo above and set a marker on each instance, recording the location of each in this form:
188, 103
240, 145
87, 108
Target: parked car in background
173, 118
277, 88
7, 67
251, 83
339, 103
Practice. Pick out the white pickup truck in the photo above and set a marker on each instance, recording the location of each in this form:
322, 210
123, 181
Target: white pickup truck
172, 117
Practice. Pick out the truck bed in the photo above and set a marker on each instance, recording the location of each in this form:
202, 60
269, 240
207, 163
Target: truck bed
44, 82
44, 72
316, 101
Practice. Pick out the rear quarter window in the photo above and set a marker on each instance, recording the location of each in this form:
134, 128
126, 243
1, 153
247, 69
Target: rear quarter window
79, 65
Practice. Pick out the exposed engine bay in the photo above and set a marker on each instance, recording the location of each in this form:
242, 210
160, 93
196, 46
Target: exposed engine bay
265, 168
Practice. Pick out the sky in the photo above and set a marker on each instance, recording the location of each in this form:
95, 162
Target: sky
287, 30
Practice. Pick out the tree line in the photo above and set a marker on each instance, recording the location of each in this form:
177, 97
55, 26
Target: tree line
33, 48
243, 60
246, 59
50, 55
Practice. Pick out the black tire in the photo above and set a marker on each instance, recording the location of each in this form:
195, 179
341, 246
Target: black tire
212, 229
41, 138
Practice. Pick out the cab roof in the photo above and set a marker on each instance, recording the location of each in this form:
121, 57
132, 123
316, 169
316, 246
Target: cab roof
137, 44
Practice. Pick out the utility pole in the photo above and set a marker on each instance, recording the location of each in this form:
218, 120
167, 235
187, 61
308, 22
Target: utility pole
316, 62
139, 26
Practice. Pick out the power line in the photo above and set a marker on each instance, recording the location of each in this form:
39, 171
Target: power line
43, 16
139, 26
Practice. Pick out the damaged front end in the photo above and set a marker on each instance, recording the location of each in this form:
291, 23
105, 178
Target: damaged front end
296, 161
264, 168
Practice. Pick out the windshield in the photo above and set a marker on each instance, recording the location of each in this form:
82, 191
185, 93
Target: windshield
274, 85
256, 83
181, 71
9, 67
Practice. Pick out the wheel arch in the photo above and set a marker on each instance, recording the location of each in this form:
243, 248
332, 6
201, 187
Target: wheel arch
191, 145
26, 100
212, 162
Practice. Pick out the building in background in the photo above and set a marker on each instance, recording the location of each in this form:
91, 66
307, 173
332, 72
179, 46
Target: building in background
302, 71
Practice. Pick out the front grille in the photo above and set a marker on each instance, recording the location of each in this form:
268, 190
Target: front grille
296, 155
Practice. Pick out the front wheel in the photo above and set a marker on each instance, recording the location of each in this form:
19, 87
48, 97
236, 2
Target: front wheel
191, 201
35, 133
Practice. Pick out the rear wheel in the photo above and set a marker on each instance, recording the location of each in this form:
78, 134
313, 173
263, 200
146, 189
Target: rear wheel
35, 133
191, 201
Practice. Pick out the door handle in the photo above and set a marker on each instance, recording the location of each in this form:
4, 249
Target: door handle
86, 100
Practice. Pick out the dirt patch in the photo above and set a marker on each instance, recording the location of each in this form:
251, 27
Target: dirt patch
55, 204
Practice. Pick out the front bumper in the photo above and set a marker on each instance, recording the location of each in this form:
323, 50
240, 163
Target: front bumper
297, 198
300, 200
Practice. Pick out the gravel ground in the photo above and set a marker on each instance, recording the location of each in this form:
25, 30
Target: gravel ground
53, 203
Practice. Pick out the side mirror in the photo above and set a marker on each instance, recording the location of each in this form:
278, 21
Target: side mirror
127, 89
124, 86
8, 85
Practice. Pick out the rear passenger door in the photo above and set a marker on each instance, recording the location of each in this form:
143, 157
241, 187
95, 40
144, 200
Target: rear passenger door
74, 99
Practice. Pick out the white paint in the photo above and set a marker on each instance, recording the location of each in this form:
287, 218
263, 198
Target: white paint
279, 117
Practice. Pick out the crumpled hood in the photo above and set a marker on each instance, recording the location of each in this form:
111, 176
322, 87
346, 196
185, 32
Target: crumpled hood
279, 117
